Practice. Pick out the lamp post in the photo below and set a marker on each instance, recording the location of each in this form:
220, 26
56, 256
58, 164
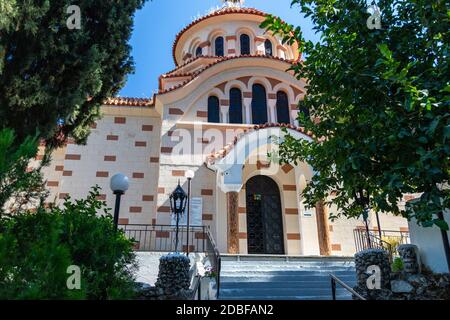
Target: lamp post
119, 185
177, 205
189, 175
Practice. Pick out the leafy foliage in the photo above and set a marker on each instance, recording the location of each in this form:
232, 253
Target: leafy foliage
20, 185
37, 248
397, 265
50, 73
379, 103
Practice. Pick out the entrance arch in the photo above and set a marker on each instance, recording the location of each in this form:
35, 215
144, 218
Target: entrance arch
264, 216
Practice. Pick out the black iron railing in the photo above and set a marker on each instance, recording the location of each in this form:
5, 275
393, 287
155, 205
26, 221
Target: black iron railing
335, 280
162, 238
390, 240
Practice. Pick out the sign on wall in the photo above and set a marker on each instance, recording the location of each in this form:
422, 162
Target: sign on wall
195, 214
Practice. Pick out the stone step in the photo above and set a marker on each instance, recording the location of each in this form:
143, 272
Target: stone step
285, 273
278, 292
281, 284
338, 297
281, 278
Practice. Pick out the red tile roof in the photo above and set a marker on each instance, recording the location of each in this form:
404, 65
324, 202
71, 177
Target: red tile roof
212, 158
217, 13
129, 102
219, 60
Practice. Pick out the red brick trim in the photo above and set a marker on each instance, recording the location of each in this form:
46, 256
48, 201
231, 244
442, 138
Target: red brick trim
247, 95
231, 51
73, 157
162, 234
154, 159
224, 102
404, 229
191, 248
67, 173
202, 114
135, 209
102, 174
112, 137
176, 111
63, 196
140, 143
293, 236
52, 183
166, 149
272, 96
93, 125
289, 187
336, 247
120, 120
59, 168
147, 198
207, 217
110, 158
147, 127
124, 221
242, 210
161, 190
294, 107
200, 235
228, 38
243, 235
291, 211
101, 197
207, 192
138, 175
287, 168
178, 173
164, 209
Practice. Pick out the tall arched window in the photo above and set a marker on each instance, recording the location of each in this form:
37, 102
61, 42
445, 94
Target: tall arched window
219, 47
268, 47
283, 107
235, 106
259, 104
245, 44
213, 109
198, 52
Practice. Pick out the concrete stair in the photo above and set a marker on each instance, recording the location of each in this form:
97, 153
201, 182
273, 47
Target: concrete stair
265, 277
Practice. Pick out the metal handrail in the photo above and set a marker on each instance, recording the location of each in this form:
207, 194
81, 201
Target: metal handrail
216, 261
335, 280
197, 289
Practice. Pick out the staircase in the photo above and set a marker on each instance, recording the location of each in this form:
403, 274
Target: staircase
284, 278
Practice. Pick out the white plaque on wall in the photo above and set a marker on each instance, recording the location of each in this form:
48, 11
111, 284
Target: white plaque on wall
195, 214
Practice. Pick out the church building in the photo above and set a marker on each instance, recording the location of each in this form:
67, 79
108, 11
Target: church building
221, 114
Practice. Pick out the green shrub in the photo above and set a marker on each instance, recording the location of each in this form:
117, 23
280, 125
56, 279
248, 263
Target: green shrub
37, 248
397, 265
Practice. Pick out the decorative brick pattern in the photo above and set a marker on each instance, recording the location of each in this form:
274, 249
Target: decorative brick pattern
124, 221
176, 112
336, 247
242, 210
52, 183
293, 236
178, 173
110, 158
73, 157
111, 137
191, 248
331, 228
243, 235
62, 196
147, 198
162, 234
247, 95
161, 190
101, 197
120, 120
154, 159
291, 211
147, 127
166, 150
289, 187
67, 173
140, 144
207, 192
200, 235
138, 175
102, 174
404, 229
93, 125
202, 114
59, 168
164, 209
272, 96
224, 102
207, 217
287, 168
135, 209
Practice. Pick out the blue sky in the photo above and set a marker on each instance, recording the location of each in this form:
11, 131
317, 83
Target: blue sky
157, 24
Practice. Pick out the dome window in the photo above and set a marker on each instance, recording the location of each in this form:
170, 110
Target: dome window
245, 44
219, 47
268, 47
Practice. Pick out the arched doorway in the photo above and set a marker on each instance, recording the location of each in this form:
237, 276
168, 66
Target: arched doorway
264, 217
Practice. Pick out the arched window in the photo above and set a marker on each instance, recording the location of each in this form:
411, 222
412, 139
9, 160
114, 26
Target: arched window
213, 109
268, 47
259, 104
283, 107
198, 52
235, 106
245, 44
219, 47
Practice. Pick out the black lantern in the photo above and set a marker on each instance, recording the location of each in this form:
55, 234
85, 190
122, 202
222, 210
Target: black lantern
178, 199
